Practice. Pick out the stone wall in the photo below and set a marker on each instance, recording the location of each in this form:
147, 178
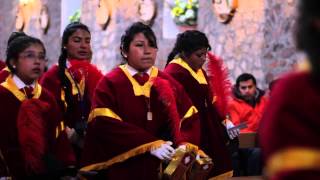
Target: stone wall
8, 9
279, 53
258, 40
106, 43
51, 39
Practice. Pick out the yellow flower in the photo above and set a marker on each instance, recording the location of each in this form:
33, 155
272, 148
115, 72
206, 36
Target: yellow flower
176, 11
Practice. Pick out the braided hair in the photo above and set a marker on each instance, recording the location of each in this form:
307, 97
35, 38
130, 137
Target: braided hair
187, 43
66, 85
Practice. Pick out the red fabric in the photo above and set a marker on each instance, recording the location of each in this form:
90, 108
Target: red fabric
141, 78
28, 91
9, 141
240, 112
3, 75
2, 64
31, 131
108, 137
292, 119
51, 81
219, 83
211, 129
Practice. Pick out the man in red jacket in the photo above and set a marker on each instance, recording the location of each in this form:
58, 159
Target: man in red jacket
247, 106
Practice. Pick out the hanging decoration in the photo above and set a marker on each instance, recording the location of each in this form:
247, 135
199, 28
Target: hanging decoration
147, 11
103, 13
224, 9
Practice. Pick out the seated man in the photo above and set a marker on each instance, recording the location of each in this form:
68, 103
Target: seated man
247, 106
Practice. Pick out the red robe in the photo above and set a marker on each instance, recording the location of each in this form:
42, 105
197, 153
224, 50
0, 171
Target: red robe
47, 118
120, 137
2, 64
212, 136
4, 73
289, 130
79, 69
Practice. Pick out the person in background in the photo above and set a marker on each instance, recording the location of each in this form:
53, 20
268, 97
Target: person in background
247, 106
289, 130
185, 65
5, 71
135, 122
73, 80
30, 119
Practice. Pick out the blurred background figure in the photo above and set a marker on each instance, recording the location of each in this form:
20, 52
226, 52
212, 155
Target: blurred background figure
289, 130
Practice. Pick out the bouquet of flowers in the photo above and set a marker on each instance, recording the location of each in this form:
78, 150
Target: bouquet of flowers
185, 12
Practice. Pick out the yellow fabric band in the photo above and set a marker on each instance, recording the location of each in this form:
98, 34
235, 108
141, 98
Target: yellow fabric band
124, 156
103, 112
137, 88
12, 87
199, 76
297, 158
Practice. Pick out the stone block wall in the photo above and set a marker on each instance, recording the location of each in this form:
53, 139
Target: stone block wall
258, 40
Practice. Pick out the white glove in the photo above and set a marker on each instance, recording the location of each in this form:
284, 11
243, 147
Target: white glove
164, 152
232, 132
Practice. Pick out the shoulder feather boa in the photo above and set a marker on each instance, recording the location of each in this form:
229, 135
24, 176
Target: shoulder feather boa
32, 134
219, 83
168, 97
90, 72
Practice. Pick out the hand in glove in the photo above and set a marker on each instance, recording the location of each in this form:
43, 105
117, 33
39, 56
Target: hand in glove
164, 152
233, 133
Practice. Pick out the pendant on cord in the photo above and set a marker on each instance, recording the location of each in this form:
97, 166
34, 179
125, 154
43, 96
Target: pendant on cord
149, 115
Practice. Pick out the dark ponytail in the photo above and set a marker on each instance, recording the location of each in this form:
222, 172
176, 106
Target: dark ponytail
187, 43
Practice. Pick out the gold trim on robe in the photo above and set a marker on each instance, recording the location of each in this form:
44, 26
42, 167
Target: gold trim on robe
291, 159
103, 112
199, 76
12, 87
137, 88
124, 156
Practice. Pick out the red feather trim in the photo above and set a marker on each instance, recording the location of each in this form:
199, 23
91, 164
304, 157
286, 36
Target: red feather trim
91, 73
31, 132
219, 83
168, 97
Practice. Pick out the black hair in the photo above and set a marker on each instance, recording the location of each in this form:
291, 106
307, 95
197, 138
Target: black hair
66, 85
17, 45
308, 31
245, 77
189, 42
135, 28
14, 35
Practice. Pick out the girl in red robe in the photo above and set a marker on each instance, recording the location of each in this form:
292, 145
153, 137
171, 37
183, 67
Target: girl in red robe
30, 119
135, 120
185, 65
73, 80
5, 71
289, 130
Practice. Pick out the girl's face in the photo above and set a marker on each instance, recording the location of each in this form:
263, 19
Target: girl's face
30, 63
141, 54
197, 58
78, 45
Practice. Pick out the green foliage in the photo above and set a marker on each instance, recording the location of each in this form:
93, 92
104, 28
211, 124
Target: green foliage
185, 12
75, 17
